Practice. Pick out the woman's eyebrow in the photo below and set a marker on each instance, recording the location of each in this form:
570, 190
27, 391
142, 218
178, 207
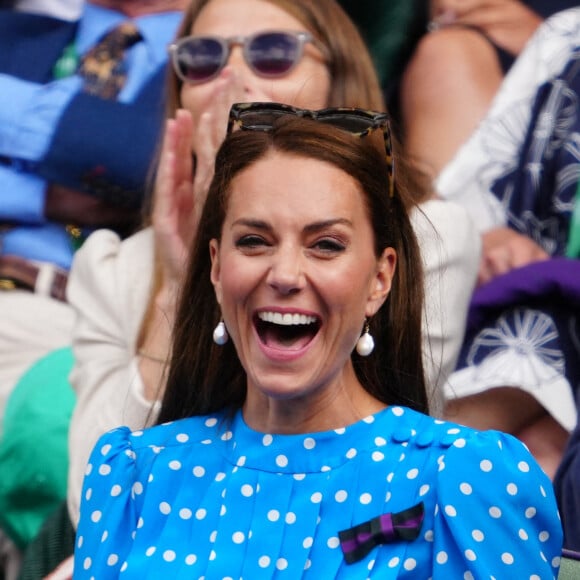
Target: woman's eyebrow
252, 223
321, 225
309, 228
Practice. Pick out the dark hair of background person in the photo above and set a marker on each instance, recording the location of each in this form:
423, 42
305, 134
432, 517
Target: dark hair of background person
204, 377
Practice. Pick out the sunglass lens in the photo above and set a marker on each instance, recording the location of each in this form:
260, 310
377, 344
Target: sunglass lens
199, 59
260, 120
350, 123
273, 54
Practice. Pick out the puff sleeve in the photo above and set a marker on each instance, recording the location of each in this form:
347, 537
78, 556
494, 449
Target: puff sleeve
496, 514
109, 509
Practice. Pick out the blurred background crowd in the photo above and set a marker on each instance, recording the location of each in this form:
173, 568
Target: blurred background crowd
102, 179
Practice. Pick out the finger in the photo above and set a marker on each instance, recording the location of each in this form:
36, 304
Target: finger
164, 181
527, 252
498, 261
184, 138
229, 90
184, 120
484, 273
183, 196
213, 123
205, 159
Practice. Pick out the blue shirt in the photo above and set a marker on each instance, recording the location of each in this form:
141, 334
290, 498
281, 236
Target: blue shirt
29, 114
205, 497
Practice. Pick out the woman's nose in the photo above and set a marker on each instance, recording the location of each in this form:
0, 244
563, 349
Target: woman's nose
286, 273
237, 62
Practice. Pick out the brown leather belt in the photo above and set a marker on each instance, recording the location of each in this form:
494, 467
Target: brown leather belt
41, 278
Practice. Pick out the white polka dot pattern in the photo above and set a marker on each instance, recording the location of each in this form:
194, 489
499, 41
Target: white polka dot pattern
207, 498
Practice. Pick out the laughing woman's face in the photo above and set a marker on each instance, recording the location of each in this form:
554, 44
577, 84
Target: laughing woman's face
296, 274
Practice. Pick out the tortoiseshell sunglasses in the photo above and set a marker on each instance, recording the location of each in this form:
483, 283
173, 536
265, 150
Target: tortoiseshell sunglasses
358, 122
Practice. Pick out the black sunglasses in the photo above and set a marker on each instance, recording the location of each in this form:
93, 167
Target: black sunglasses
359, 122
270, 54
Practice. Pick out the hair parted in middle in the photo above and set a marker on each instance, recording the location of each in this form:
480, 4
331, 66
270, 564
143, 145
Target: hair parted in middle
204, 377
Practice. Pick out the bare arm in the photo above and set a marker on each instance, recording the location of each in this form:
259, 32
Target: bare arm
509, 23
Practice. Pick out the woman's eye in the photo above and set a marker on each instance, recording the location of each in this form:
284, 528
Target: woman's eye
329, 245
250, 241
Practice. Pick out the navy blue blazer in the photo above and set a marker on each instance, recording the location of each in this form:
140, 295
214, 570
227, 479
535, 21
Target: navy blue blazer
101, 147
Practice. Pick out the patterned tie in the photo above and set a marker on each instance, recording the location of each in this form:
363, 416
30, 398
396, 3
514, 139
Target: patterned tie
103, 67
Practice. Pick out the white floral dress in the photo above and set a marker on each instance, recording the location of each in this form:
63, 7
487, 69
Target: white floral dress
521, 168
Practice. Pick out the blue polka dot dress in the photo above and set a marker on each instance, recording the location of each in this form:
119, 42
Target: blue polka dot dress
210, 498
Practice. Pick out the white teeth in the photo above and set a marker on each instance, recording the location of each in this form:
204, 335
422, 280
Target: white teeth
286, 319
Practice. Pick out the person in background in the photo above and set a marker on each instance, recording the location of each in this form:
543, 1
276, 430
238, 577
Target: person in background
75, 149
457, 68
292, 437
57, 180
521, 168
518, 174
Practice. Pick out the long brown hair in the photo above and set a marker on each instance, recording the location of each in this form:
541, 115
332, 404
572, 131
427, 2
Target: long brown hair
204, 377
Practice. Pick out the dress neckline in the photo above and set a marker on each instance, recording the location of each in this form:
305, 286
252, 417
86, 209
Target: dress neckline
311, 452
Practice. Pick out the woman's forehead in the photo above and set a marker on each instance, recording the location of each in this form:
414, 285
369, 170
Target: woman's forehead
292, 187
233, 17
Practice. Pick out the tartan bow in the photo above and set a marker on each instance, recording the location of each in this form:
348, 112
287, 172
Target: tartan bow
357, 542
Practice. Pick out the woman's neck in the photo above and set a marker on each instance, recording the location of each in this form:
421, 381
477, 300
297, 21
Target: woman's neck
330, 409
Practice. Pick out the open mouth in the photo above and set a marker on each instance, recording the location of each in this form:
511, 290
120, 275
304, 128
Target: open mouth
286, 331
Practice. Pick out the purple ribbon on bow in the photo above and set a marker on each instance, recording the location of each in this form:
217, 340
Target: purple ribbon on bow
357, 542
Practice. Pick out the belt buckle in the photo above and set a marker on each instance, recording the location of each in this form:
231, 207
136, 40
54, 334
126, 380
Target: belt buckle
7, 284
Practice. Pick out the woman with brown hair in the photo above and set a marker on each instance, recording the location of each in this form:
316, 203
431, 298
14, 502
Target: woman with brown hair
292, 439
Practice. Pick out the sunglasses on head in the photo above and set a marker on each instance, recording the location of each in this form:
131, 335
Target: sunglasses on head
358, 122
270, 54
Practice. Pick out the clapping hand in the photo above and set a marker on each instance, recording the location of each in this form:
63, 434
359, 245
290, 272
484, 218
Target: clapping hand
173, 209
185, 171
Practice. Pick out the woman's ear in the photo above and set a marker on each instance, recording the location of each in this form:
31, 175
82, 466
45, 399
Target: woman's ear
214, 253
382, 281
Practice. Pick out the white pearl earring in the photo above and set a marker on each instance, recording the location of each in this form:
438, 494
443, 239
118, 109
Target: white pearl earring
220, 334
365, 344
